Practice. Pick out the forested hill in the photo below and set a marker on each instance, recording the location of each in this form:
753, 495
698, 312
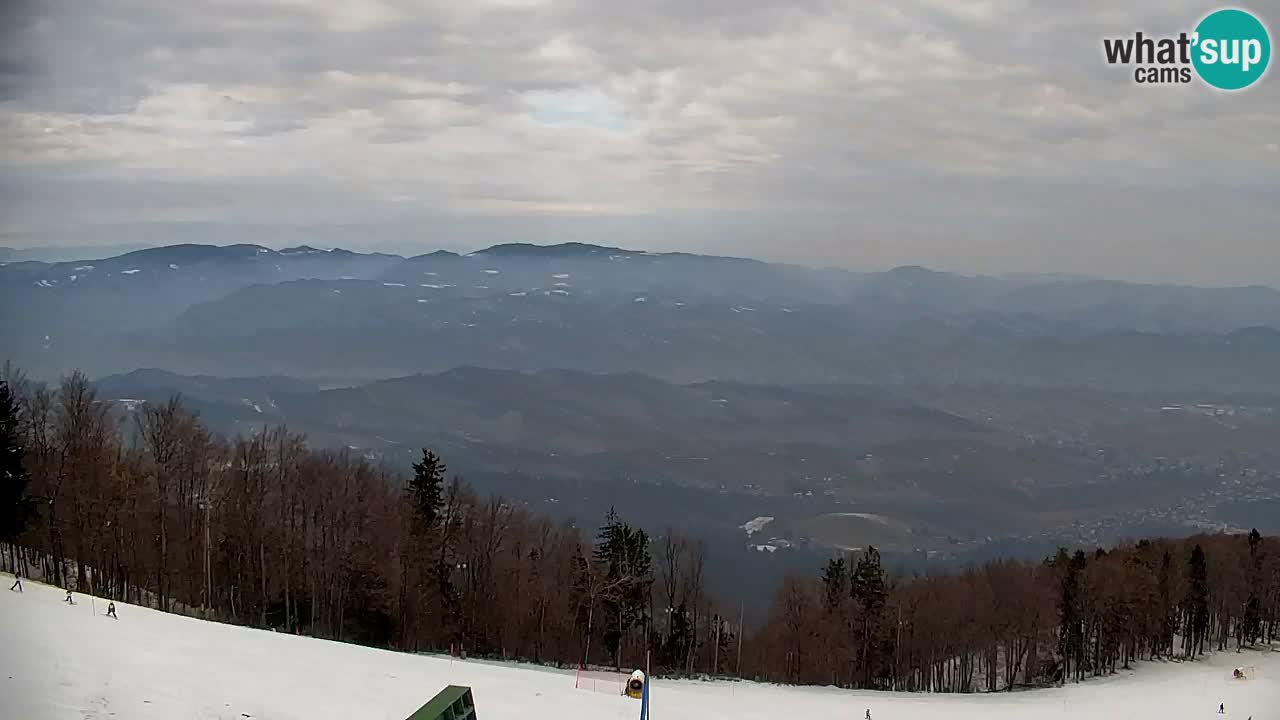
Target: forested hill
264, 531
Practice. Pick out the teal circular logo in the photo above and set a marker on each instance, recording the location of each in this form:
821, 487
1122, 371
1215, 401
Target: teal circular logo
1232, 49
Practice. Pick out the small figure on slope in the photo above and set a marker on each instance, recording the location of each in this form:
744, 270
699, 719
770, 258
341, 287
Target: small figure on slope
17, 582
111, 610
868, 713
1222, 708
68, 598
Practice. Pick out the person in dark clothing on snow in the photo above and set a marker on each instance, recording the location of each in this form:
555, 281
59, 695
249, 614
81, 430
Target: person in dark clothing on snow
111, 610
68, 600
17, 582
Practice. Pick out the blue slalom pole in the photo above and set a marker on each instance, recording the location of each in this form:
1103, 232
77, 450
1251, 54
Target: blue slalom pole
644, 700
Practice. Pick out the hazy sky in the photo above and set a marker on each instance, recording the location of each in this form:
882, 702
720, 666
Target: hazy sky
970, 135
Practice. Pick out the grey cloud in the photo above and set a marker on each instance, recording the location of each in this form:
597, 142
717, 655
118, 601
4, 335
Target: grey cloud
955, 133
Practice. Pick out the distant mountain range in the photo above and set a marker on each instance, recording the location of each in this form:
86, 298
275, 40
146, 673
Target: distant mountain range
920, 410
335, 317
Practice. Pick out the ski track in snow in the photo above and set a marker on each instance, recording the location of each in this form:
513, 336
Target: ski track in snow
61, 661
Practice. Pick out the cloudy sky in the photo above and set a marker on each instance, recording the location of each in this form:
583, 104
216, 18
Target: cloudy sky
969, 135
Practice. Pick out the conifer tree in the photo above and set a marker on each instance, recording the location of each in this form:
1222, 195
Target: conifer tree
16, 507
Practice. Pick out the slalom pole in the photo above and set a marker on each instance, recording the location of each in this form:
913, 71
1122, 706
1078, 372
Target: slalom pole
644, 700
648, 679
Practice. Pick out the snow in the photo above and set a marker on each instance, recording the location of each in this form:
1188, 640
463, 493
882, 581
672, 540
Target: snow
560, 292
62, 661
83, 268
518, 294
756, 525
43, 284
561, 276
862, 516
491, 272
435, 287
640, 299
173, 266
391, 284
132, 271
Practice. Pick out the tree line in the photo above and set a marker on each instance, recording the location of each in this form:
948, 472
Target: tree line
147, 505
1009, 624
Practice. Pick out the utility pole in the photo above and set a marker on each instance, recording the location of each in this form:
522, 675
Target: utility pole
715, 661
897, 648
208, 569
737, 670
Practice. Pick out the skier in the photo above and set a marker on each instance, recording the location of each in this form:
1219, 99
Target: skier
868, 713
111, 610
1222, 708
68, 599
17, 582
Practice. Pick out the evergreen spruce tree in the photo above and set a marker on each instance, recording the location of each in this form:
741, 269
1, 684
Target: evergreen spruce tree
624, 552
1070, 610
1252, 626
1167, 622
835, 579
869, 592
16, 507
426, 490
1196, 608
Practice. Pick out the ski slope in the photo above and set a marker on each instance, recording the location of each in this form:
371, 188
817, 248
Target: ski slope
59, 661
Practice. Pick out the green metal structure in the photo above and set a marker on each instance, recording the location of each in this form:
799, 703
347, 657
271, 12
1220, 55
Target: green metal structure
452, 703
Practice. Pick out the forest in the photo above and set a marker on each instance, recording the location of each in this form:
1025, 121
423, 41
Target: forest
144, 504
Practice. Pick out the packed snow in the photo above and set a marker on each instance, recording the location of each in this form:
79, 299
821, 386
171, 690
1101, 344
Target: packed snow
71, 661
755, 525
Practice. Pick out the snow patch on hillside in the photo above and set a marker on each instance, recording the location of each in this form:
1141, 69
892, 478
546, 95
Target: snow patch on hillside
754, 526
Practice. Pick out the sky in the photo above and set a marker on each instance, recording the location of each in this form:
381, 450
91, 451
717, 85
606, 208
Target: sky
979, 136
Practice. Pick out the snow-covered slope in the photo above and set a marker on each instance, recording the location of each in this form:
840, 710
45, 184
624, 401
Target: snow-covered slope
60, 661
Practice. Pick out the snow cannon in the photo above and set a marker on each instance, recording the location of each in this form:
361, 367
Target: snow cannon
635, 685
